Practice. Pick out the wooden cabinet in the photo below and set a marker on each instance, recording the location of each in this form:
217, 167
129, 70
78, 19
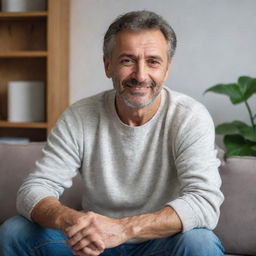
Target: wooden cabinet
35, 46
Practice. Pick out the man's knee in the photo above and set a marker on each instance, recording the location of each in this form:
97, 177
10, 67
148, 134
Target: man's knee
200, 242
19, 236
12, 229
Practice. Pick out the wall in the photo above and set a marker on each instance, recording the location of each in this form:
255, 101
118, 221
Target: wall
216, 43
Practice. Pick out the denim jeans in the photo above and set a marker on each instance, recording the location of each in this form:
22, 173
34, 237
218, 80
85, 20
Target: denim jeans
20, 237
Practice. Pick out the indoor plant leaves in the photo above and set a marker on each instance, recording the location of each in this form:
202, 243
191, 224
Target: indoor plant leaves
236, 145
239, 137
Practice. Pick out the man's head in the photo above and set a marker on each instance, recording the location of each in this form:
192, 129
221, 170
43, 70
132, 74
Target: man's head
138, 21
138, 47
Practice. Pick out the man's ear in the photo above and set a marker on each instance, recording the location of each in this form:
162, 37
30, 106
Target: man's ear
107, 66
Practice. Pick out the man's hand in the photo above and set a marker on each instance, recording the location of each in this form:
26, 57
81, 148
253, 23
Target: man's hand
90, 233
93, 233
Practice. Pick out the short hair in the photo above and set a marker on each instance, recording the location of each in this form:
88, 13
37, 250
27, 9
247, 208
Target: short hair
137, 21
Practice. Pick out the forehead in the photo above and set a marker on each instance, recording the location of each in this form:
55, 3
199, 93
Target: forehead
150, 41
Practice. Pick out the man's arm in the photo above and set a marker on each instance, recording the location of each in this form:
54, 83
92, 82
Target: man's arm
162, 223
50, 213
59, 164
90, 233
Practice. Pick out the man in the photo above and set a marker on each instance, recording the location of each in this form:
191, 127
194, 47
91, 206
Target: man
146, 156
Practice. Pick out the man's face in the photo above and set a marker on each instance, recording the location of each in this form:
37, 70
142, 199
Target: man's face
138, 67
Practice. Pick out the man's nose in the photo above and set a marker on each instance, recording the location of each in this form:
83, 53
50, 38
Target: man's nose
140, 72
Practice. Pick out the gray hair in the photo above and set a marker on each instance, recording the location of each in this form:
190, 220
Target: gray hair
136, 21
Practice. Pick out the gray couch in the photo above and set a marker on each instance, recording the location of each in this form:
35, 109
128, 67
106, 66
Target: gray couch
237, 225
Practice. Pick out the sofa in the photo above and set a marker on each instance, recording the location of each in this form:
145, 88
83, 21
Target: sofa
237, 225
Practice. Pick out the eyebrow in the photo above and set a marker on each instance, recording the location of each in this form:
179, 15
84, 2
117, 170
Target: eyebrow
132, 56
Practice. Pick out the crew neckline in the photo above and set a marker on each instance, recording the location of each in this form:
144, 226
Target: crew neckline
118, 121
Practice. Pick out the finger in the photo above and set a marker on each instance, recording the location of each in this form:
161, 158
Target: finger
82, 223
99, 245
82, 244
81, 253
78, 237
75, 239
82, 234
89, 251
92, 241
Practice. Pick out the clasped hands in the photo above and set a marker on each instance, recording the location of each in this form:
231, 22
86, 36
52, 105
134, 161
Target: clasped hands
93, 233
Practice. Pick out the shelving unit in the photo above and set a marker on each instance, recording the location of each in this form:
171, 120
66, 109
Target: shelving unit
35, 46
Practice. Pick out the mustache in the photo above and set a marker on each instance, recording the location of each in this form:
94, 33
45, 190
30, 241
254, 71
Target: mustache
135, 82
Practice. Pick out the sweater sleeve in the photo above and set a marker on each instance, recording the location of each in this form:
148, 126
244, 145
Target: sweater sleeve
197, 170
55, 170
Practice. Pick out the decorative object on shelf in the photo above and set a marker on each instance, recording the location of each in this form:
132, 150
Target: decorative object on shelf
23, 5
239, 137
14, 140
26, 101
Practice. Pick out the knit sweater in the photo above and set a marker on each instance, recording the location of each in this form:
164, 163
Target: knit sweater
170, 160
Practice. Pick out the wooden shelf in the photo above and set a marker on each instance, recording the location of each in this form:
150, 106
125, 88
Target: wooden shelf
22, 15
37, 125
33, 47
23, 54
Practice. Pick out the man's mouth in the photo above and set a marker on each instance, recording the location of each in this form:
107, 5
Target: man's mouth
136, 85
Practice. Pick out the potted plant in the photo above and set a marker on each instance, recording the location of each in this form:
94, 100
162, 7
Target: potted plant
239, 138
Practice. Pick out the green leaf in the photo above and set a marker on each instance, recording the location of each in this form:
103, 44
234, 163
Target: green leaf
230, 128
248, 133
226, 128
237, 93
243, 83
231, 90
247, 86
240, 124
253, 148
236, 145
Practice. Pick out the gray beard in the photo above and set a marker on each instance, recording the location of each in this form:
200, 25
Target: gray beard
139, 94
141, 105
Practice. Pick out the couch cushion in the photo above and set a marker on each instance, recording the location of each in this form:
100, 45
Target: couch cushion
16, 161
237, 224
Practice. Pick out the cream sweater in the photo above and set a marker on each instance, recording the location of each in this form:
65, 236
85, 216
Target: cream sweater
126, 170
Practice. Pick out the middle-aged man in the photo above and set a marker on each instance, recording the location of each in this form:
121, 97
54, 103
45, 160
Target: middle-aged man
147, 159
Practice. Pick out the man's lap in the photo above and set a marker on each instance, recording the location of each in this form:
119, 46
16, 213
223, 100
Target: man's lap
19, 234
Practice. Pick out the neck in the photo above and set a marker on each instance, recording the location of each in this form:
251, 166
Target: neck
136, 116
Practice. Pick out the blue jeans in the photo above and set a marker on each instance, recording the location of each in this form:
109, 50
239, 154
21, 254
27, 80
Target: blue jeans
20, 237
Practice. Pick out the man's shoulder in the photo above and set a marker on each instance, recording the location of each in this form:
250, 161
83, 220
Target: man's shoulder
92, 103
184, 103
90, 107
92, 100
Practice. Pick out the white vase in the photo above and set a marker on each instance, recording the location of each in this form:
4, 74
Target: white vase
26, 101
23, 5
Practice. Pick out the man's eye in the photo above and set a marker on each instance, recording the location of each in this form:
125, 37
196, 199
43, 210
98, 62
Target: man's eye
126, 61
153, 62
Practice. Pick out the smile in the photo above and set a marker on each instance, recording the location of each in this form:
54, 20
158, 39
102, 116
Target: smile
137, 87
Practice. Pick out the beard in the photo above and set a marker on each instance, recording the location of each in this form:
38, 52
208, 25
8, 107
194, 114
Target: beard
131, 82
